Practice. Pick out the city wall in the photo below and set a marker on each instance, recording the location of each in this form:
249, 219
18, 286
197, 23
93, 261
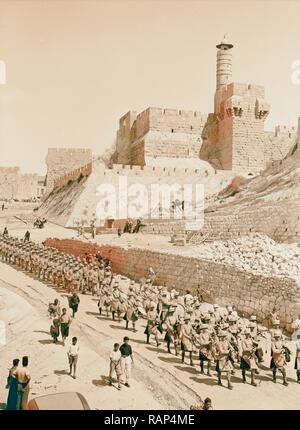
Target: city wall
9, 182
227, 285
62, 160
158, 132
280, 221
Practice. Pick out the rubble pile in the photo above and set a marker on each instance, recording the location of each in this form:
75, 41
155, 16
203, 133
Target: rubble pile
256, 253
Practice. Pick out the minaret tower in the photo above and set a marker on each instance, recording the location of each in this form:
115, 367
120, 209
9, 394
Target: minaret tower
224, 63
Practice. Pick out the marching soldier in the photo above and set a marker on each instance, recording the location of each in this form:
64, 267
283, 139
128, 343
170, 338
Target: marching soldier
248, 361
205, 343
171, 324
152, 324
187, 339
275, 330
223, 353
278, 361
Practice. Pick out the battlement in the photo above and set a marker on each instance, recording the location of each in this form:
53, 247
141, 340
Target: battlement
169, 112
73, 175
58, 153
9, 170
285, 130
64, 161
123, 169
67, 150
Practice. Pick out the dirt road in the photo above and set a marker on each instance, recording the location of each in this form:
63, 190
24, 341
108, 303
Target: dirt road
159, 380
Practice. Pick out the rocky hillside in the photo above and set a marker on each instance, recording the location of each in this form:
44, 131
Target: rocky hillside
268, 203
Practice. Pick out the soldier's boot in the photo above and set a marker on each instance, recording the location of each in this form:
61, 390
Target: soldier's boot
100, 311
230, 387
133, 327
182, 357
298, 376
253, 379
176, 350
244, 376
284, 378
148, 338
274, 376
113, 315
169, 347
191, 359
219, 379
208, 369
202, 367
126, 324
157, 341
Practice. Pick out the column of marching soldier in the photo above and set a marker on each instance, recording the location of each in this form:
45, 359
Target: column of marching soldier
222, 339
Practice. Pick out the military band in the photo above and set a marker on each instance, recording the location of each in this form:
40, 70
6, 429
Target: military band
219, 338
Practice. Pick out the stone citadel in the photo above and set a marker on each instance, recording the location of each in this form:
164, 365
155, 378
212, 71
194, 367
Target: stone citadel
174, 146
218, 146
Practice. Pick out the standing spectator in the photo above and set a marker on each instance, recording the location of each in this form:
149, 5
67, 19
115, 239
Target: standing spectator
73, 356
27, 236
74, 303
65, 321
23, 376
126, 360
5, 232
12, 385
115, 365
54, 329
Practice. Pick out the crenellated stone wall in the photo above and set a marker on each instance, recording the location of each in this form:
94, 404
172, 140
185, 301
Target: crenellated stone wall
60, 161
14, 185
9, 182
156, 133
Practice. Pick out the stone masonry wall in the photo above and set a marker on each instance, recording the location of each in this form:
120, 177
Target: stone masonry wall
27, 186
227, 285
14, 185
223, 284
62, 160
158, 132
9, 182
280, 221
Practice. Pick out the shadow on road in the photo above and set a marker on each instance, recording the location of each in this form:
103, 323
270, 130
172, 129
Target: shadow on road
49, 342
155, 349
41, 331
169, 359
206, 381
101, 382
117, 327
192, 370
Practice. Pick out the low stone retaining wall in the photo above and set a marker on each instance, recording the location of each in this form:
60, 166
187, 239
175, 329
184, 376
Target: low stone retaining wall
226, 285
223, 284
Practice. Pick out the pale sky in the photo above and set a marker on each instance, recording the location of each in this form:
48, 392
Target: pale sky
73, 68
